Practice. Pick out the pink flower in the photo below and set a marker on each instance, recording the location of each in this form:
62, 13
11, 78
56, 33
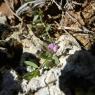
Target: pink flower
53, 47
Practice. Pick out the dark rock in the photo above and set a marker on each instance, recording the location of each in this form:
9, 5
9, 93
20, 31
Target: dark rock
10, 85
21, 70
79, 73
10, 53
30, 57
5, 31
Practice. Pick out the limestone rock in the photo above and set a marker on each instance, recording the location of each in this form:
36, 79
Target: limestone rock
43, 91
67, 45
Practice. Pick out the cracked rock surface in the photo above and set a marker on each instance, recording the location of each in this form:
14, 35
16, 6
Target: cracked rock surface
46, 84
75, 70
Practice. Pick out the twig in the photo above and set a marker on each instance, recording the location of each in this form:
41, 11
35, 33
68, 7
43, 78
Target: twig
24, 7
27, 6
64, 29
78, 45
68, 5
72, 28
83, 27
76, 3
59, 7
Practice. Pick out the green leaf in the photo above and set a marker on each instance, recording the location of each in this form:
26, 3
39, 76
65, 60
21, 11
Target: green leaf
32, 74
49, 64
48, 27
30, 63
46, 55
56, 60
35, 18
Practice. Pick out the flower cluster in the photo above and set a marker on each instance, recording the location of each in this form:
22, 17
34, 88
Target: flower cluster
53, 47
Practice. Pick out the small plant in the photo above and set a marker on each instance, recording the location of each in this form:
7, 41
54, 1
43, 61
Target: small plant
32, 64
32, 74
34, 70
40, 28
49, 56
50, 60
53, 47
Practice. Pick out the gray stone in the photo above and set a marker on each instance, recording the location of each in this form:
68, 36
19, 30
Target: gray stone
67, 45
43, 91
3, 19
54, 90
34, 84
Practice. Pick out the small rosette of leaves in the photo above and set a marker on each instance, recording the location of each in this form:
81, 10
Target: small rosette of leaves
50, 60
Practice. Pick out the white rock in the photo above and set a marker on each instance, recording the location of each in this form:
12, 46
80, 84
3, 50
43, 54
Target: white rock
42, 80
33, 84
55, 91
43, 91
50, 77
3, 19
37, 83
32, 46
63, 62
24, 86
67, 45
14, 74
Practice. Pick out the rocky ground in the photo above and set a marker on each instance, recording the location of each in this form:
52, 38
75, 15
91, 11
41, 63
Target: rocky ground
47, 47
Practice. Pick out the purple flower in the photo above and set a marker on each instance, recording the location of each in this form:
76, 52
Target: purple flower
53, 47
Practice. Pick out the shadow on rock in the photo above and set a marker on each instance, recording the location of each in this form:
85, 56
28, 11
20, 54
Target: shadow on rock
10, 53
30, 57
9, 85
5, 31
78, 76
21, 70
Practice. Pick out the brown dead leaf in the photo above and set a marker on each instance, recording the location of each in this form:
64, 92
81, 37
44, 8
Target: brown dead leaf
9, 7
